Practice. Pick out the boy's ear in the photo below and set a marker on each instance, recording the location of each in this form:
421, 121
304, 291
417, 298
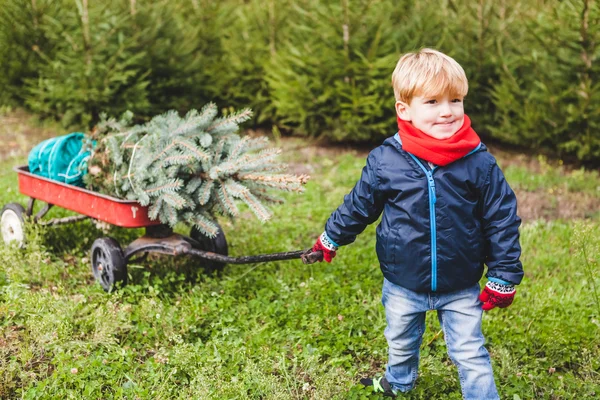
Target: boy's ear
402, 111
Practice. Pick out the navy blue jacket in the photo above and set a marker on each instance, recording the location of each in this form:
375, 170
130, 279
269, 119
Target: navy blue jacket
439, 225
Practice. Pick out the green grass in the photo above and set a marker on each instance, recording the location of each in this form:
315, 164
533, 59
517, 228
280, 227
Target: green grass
553, 178
281, 330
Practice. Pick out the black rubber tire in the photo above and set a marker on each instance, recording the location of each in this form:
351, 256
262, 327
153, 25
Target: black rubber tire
108, 264
217, 245
13, 228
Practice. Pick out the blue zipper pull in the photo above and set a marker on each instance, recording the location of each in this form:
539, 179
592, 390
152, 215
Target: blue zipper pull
431, 187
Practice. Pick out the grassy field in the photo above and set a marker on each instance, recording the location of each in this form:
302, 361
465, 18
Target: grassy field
284, 330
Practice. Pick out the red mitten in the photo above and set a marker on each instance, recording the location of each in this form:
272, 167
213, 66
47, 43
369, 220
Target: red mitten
325, 245
497, 295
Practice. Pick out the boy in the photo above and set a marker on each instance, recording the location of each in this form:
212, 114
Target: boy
447, 210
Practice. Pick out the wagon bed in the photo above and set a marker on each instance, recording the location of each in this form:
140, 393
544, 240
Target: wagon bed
123, 213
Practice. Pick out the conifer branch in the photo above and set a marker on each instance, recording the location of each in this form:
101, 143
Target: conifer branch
262, 194
226, 201
235, 189
219, 150
238, 148
163, 152
192, 185
169, 215
142, 197
257, 143
205, 225
236, 118
207, 115
154, 209
189, 169
174, 200
194, 150
188, 124
261, 160
181, 159
170, 186
204, 192
255, 205
291, 183
113, 151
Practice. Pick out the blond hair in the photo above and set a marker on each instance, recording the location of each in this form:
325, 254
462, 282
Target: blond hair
428, 73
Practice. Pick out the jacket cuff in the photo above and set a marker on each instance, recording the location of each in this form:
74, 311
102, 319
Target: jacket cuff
328, 243
500, 281
501, 288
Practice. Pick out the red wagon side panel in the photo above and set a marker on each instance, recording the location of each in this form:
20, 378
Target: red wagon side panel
127, 214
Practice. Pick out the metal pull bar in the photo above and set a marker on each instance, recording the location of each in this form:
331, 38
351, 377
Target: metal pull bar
307, 257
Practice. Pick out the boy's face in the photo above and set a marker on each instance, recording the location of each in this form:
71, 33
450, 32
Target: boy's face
439, 116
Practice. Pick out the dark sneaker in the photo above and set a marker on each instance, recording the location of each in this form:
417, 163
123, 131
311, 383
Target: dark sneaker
380, 385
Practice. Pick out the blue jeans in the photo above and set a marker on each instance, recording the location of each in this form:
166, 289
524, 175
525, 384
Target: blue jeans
460, 314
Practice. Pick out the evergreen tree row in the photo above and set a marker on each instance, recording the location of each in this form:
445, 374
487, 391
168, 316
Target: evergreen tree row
308, 67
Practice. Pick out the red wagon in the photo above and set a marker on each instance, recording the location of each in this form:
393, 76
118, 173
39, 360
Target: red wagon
109, 260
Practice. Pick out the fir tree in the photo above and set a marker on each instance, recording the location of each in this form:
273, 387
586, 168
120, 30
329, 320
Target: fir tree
548, 94
187, 169
331, 78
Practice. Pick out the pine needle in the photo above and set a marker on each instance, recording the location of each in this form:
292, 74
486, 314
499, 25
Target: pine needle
154, 209
204, 225
280, 181
204, 192
181, 159
226, 201
170, 186
200, 155
163, 152
235, 118
174, 200
192, 185
255, 205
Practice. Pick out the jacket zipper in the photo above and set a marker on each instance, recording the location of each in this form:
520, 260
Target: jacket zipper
432, 224
432, 201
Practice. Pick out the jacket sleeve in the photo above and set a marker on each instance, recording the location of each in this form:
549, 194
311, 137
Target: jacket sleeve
501, 229
361, 207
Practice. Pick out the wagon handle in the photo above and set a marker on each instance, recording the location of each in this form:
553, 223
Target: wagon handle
311, 257
307, 256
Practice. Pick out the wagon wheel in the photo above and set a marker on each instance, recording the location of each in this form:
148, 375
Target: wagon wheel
12, 224
218, 245
108, 263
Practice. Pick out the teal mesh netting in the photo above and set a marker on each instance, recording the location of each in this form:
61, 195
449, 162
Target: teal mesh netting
61, 158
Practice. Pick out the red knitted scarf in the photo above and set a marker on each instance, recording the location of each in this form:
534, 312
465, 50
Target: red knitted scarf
438, 151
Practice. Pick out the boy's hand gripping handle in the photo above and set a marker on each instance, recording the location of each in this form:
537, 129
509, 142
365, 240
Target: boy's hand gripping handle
324, 249
311, 257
